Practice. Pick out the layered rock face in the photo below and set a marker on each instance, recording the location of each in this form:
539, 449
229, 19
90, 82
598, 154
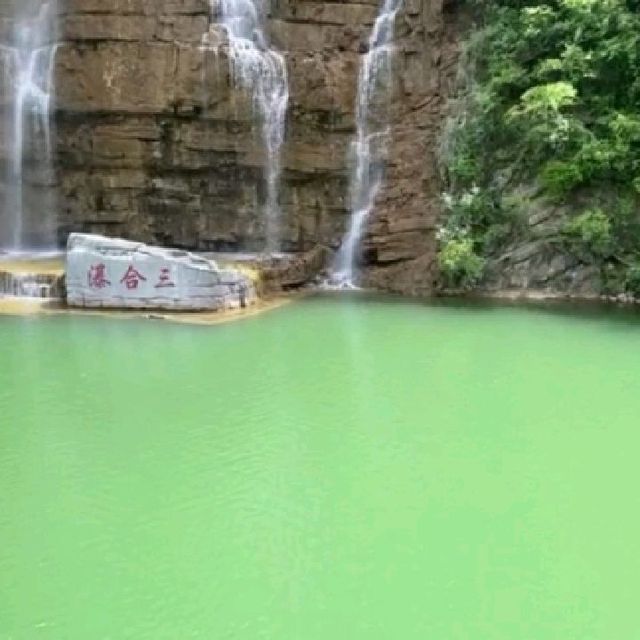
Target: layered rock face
155, 144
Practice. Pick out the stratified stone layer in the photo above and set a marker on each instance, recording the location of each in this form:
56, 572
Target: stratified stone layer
155, 143
113, 273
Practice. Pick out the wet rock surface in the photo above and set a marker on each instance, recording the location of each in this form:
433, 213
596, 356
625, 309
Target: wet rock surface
154, 142
32, 276
40, 286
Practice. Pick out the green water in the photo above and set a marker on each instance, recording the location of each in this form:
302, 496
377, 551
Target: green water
338, 469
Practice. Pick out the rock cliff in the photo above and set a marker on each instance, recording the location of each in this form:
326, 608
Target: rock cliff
154, 143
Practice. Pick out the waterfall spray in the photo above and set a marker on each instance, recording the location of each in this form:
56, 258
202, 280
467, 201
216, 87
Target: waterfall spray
370, 146
28, 64
261, 71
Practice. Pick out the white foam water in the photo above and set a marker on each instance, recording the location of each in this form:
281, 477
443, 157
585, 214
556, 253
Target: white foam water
370, 146
29, 285
27, 61
261, 71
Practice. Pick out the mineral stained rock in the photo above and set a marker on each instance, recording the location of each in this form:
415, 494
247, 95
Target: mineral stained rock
114, 273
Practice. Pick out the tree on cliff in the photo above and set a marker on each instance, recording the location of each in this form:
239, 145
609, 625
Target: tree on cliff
551, 99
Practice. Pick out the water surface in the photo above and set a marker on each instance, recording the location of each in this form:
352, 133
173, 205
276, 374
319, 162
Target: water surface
345, 469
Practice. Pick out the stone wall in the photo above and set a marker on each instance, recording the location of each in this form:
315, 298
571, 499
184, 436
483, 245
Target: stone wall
155, 145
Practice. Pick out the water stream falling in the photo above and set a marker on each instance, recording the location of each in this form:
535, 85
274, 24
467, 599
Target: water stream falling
36, 286
369, 148
27, 57
261, 71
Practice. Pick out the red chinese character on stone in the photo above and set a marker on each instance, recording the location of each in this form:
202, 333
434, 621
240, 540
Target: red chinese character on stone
132, 278
97, 276
164, 280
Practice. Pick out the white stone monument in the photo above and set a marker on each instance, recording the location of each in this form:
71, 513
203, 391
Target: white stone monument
114, 273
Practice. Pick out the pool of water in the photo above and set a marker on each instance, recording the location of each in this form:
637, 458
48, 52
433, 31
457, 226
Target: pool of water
341, 468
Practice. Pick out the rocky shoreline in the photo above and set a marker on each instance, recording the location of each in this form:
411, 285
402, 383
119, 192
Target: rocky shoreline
123, 279
29, 308
119, 278
540, 295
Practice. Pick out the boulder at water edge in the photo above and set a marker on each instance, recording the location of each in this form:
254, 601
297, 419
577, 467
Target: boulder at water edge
115, 273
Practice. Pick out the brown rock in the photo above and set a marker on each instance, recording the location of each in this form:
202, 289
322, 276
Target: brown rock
154, 144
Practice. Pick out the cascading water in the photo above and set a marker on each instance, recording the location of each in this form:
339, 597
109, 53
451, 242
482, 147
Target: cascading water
36, 286
27, 59
369, 148
262, 71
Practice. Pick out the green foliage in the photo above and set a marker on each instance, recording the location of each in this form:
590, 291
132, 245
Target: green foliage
632, 283
471, 209
544, 102
613, 278
560, 177
590, 235
459, 264
554, 101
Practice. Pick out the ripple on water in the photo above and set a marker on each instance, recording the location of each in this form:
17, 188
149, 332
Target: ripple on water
344, 468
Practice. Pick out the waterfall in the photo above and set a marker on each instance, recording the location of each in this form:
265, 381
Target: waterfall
261, 71
40, 286
27, 64
369, 148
